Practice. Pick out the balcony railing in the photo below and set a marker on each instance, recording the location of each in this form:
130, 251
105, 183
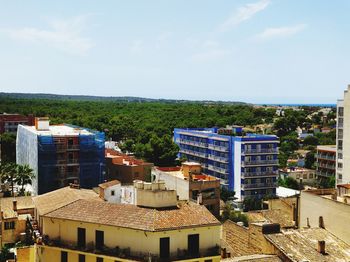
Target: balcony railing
322, 165
192, 143
260, 151
324, 174
259, 185
259, 174
130, 253
327, 157
193, 153
73, 147
218, 158
218, 148
218, 169
259, 162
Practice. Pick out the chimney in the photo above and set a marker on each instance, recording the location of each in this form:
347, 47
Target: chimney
321, 222
321, 247
14, 205
308, 222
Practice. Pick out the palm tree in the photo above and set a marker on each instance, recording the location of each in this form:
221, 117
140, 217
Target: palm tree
24, 176
8, 174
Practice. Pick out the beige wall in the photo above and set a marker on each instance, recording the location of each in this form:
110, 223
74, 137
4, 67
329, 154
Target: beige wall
53, 254
12, 235
336, 215
346, 139
137, 240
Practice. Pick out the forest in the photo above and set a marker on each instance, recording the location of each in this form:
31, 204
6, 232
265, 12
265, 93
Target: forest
146, 127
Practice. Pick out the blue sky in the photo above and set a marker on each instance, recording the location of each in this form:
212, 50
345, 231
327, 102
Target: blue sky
267, 51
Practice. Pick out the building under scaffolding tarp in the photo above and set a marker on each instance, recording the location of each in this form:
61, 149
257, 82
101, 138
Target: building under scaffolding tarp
60, 155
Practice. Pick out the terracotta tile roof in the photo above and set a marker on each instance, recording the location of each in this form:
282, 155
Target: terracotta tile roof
236, 240
301, 245
273, 216
347, 186
55, 199
24, 202
131, 216
109, 183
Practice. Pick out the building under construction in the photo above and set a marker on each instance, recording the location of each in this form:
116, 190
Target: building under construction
60, 155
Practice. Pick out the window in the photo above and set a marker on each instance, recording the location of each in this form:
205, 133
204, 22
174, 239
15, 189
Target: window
99, 259
340, 165
193, 245
340, 156
311, 176
81, 238
112, 193
340, 144
64, 256
81, 258
340, 176
99, 239
164, 248
10, 225
340, 111
304, 176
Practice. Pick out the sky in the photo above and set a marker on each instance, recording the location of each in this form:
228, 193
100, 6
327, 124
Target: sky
267, 51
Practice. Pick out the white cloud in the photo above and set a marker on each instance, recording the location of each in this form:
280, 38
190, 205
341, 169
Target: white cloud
63, 34
163, 38
242, 14
210, 55
137, 46
281, 31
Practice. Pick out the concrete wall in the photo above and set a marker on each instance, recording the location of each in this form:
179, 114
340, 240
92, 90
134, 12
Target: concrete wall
12, 235
138, 241
156, 199
336, 215
178, 184
27, 152
346, 139
116, 198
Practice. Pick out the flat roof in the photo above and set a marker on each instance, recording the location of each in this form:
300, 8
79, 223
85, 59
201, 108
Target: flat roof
59, 130
286, 192
332, 148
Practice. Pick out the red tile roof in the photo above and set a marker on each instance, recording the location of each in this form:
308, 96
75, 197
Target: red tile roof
131, 216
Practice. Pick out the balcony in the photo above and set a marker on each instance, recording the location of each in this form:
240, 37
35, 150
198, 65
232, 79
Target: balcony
323, 165
273, 162
259, 185
259, 174
113, 253
218, 148
218, 169
260, 151
73, 147
193, 153
325, 157
218, 158
324, 174
192, 143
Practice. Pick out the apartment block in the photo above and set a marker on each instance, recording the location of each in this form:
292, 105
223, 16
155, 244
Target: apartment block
343, 140
326, 157
191, 184
125, 168
244, 163
10, 122
60, 155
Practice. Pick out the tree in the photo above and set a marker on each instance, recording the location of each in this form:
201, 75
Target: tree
311, 141
226, 194
233, 215
310, 159
8, 174
24, 176
289, 182
8, 147
252, 203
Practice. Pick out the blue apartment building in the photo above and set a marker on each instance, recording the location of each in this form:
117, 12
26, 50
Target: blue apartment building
246, 164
